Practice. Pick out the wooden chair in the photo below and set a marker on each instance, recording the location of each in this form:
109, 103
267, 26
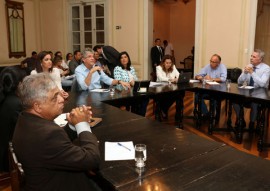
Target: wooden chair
16, 171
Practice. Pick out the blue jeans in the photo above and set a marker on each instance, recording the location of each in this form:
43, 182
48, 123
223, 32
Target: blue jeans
203, 105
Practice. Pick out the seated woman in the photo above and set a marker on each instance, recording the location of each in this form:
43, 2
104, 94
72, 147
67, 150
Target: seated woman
166, 72
126, 73
66, 80
45, 65
10, 107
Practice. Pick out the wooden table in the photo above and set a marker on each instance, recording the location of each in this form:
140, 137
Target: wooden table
176, 159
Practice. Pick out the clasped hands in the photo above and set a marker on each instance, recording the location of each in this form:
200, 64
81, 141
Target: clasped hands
248, 69
79, 114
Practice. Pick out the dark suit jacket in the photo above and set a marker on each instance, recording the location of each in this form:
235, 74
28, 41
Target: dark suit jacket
9, 112
155, 55
72, 65
49, 158
112, 56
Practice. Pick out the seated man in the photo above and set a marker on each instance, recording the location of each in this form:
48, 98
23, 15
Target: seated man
89, 76
49, 158
254, 74
215, 71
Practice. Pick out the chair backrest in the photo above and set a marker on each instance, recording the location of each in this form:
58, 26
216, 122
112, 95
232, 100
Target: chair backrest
188, 63
16, 171
235, 73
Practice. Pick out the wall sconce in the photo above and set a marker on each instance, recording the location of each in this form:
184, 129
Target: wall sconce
186, 1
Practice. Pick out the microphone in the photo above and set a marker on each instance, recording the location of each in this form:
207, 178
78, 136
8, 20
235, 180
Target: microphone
98, 70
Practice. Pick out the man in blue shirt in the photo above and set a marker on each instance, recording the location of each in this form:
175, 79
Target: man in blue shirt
255, 74
215, 71
90, 76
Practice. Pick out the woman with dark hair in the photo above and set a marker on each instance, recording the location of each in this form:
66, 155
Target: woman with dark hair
124, 71
10, 107
45, 65
69, 57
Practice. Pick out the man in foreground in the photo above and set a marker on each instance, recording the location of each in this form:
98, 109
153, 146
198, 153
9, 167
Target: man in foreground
49, 158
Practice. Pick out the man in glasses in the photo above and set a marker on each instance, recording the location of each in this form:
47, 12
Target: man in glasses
214, 71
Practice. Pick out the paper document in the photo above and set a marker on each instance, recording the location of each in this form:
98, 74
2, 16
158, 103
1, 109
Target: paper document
212, 83
99, 90
194, 81
246, 87
70, 77
119, 151
154, 84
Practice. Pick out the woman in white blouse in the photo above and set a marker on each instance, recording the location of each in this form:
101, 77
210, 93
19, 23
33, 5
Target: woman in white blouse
45, 65
166, 71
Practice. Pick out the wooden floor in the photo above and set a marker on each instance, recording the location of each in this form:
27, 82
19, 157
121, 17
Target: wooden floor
249, 144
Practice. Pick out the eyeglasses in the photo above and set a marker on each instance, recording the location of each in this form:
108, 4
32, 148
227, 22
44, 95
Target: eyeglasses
214, 62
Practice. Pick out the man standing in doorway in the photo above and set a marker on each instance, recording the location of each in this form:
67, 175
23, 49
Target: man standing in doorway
157, 53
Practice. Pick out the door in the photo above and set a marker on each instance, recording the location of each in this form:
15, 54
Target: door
87, 25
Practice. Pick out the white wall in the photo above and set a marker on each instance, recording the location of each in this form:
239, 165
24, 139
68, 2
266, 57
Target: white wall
226, 28
220, 28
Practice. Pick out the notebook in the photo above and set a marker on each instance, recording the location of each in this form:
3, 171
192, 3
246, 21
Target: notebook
184, 77
141, 85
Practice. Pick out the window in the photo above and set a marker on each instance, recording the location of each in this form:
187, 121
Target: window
87, 20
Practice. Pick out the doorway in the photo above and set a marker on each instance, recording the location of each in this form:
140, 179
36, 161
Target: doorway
262, 36
174, 20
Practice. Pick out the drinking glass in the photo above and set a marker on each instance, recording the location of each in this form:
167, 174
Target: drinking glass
228, 83
140, 155
111, 90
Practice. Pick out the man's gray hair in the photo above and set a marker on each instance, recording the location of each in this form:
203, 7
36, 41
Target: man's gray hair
35, 88
261, 53
86, 52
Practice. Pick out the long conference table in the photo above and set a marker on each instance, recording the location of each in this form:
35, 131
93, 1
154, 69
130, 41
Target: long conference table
176, 159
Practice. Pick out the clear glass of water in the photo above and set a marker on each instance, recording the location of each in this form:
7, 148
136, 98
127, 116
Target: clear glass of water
140, 155
228, 83
111, 90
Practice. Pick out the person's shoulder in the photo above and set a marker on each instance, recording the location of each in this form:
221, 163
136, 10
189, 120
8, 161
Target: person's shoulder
80, 67
158, 67
33, 72
265, 65
73, 61
223, 65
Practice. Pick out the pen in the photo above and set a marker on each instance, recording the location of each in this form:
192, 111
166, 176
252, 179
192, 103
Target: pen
123, 146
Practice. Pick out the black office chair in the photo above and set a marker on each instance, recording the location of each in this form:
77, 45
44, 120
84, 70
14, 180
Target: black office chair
16, 171
188, 62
